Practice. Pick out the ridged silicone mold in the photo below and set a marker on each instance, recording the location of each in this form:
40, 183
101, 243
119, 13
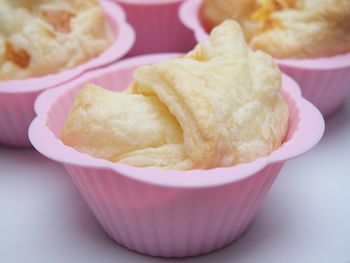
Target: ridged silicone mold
323, 81
157, 25
165, 212
17, 96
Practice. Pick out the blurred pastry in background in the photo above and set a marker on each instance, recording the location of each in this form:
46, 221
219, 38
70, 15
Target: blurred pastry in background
286, 28
40, 37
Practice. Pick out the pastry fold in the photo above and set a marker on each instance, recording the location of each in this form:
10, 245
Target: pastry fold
218, 105
122, 127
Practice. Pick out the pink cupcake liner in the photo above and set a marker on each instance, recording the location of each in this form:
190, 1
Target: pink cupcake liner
16, 114
157, 25
168, 213
324, 81
17, 96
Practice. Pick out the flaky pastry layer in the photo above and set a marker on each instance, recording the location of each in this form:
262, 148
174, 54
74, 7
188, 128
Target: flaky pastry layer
218, 105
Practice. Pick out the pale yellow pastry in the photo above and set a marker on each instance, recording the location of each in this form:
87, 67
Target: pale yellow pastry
219, 105
38, 37
287, 28
120, 126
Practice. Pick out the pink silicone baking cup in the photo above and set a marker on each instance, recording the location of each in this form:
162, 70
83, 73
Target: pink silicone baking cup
157, 25
168, 213
17, 96
323, 81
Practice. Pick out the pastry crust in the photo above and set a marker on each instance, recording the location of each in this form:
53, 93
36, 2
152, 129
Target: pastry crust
116, 125
287, 28
39, 37
220, 105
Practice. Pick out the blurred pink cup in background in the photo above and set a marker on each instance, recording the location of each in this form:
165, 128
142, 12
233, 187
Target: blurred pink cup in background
324, 81
17, 96
157, 25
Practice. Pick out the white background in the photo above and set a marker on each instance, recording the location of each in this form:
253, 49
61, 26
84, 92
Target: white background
305, 217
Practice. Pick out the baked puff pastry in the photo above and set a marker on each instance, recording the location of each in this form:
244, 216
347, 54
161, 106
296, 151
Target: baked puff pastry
39, 37
218, 105
287, 28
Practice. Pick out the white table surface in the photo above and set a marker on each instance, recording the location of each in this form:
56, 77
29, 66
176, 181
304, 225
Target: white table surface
305, 217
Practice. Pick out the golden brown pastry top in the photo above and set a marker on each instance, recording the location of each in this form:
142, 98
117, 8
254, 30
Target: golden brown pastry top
39, 37
287, 28
218, 105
